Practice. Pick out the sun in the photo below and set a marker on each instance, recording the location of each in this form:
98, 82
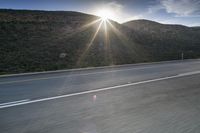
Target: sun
105, 14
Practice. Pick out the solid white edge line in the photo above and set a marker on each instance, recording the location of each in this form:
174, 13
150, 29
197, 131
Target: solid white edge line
14, 102
98, 90
189, 73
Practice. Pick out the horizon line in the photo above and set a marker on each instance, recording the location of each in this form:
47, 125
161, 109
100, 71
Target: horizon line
50, 10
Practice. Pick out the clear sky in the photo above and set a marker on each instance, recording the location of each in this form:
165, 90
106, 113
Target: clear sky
186, 12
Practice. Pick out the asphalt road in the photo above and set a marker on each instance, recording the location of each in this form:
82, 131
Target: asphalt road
150, 98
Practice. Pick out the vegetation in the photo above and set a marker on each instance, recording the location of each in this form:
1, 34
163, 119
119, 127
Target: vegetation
47, 40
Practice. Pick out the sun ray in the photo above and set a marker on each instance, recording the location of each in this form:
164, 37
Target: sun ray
89, 44
83, 28
93, 38
90, 24
107, 43
116, 31
124, 40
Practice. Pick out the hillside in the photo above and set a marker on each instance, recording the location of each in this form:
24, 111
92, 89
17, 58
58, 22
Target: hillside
166, 42
51, 40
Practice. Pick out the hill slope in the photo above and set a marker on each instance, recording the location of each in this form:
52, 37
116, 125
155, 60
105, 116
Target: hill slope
166, 42
47, 40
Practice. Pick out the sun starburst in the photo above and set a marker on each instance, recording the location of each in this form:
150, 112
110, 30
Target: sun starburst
105, 24
105, 14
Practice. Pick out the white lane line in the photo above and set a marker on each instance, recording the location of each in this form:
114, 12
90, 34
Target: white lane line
15, 102
97, 90
189, 73
73, 75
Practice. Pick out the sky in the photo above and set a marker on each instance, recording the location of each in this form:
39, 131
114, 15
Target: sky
185, 12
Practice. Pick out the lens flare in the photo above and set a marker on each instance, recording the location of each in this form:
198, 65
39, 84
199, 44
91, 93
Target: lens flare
105, 14
106, 27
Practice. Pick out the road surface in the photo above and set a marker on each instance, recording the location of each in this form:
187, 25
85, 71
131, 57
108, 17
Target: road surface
147, 98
